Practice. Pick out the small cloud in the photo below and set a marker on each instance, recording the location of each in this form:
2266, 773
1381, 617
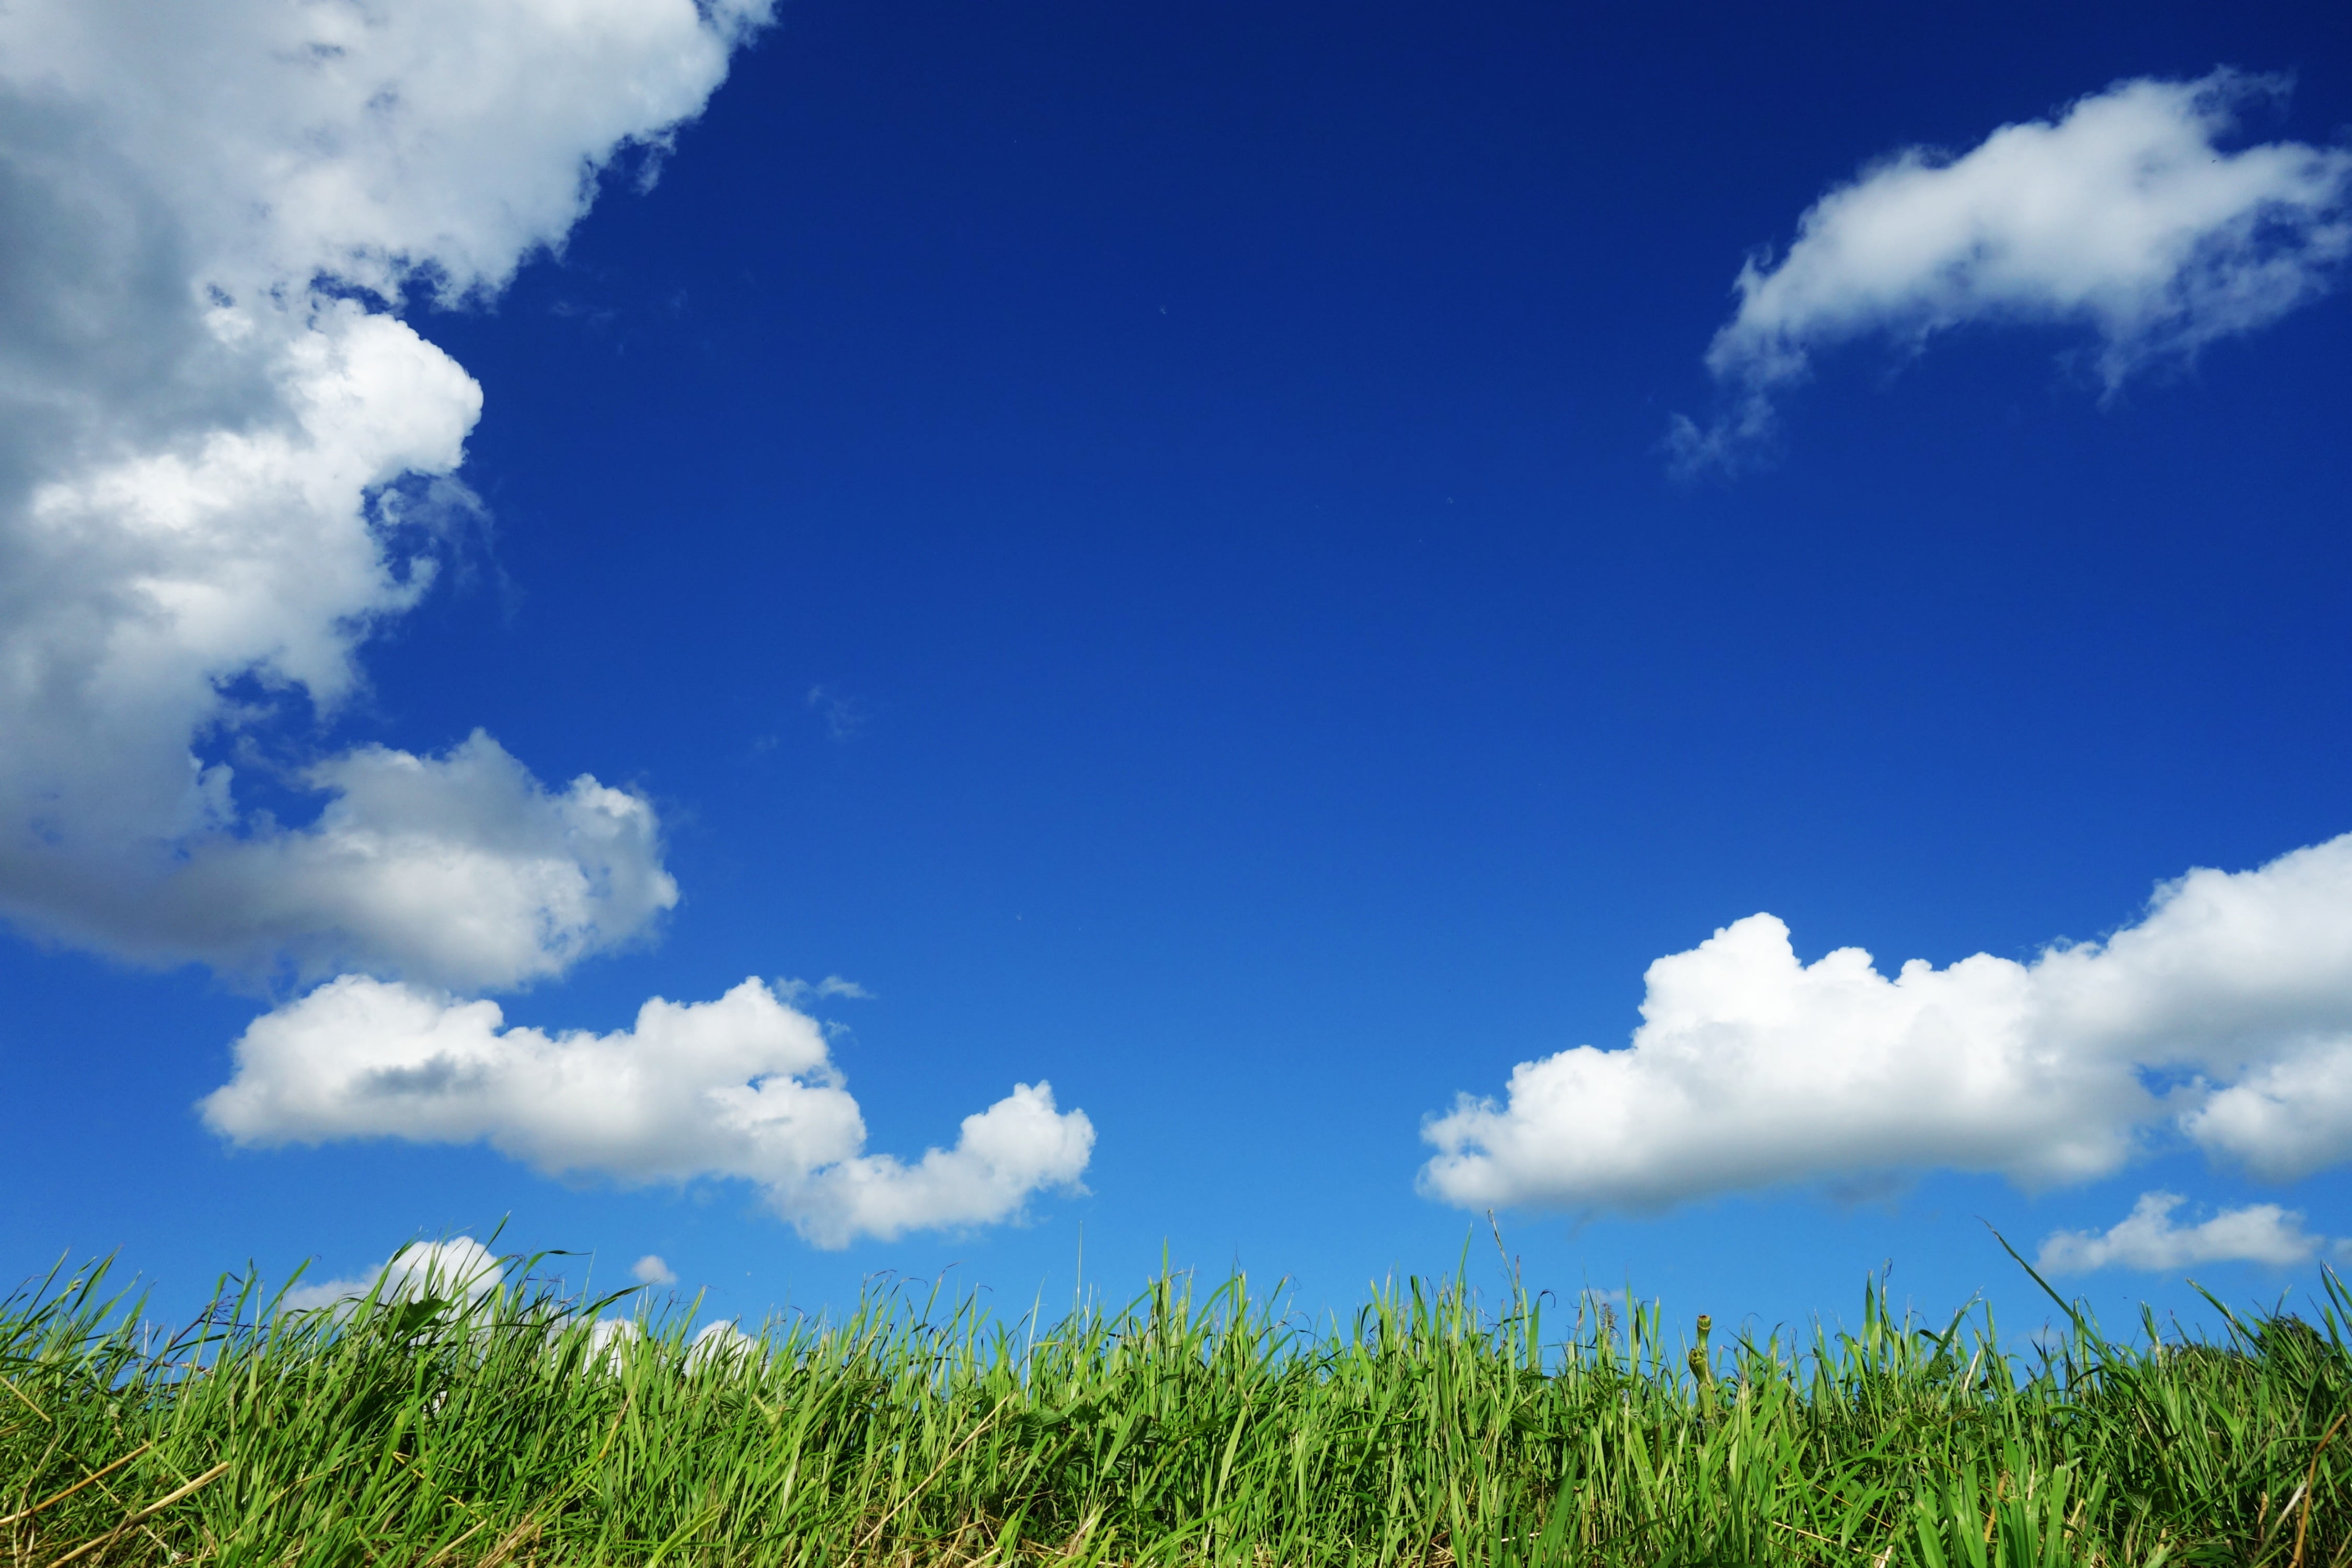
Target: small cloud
832, 985
720, 1346
1736, 442
609, 1339
442, 1269
844, 716
2149, 1241
651, 1270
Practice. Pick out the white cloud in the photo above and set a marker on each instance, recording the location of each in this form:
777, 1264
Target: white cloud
651, 1270
720, 1346
373, 141
2147, 1241
1751, 1070
461, 868
2286, 1118
1001, 1156
2123, 215
215, 464
832, 987
742, 1087
442, 1269
609, 1339
226, 461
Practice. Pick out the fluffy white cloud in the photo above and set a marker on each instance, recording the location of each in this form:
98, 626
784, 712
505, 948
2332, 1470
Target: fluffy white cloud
609, 1340
1752, 1069
721, 1346
742, 1087
2123, 215
460, 867
442, 1269
2287, 1118
651, 1270
1002, 1155
225, 460
2147, 1241
219, 471
371, 141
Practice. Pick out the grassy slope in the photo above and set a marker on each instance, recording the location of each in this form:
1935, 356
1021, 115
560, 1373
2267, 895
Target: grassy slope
1179, 1430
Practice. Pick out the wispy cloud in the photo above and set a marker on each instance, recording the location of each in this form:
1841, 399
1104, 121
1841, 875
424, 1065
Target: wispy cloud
832, 988
651, 1270
741, 1088
844, 716
2125, 215
1752, 1069
2147, 1241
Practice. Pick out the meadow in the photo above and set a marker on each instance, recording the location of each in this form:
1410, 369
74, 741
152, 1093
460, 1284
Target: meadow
1188, 1426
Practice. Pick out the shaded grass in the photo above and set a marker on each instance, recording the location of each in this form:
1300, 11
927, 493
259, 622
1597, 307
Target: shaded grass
1185, 1428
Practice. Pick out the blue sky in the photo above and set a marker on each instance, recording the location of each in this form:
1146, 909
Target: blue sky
1258, 567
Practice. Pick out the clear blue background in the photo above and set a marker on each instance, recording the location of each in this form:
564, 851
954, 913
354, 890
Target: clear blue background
1208, 457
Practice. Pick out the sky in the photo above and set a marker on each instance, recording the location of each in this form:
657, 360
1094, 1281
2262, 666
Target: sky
772, 647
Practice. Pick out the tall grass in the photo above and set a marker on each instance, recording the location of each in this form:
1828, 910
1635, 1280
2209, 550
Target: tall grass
1185, 1428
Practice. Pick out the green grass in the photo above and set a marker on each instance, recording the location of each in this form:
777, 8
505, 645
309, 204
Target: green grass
1183, 1429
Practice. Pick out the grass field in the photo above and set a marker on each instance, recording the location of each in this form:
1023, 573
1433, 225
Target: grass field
1188, 1426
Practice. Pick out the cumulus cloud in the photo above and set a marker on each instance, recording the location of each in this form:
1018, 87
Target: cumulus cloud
461, 868
651, 1270
225, 460
2147, 1241
743, 1087
2287, 1118
461, 1266
2224, 1015
438, 140
2123, 215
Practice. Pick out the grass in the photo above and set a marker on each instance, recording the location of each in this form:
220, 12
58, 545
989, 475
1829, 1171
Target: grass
1184, 1429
